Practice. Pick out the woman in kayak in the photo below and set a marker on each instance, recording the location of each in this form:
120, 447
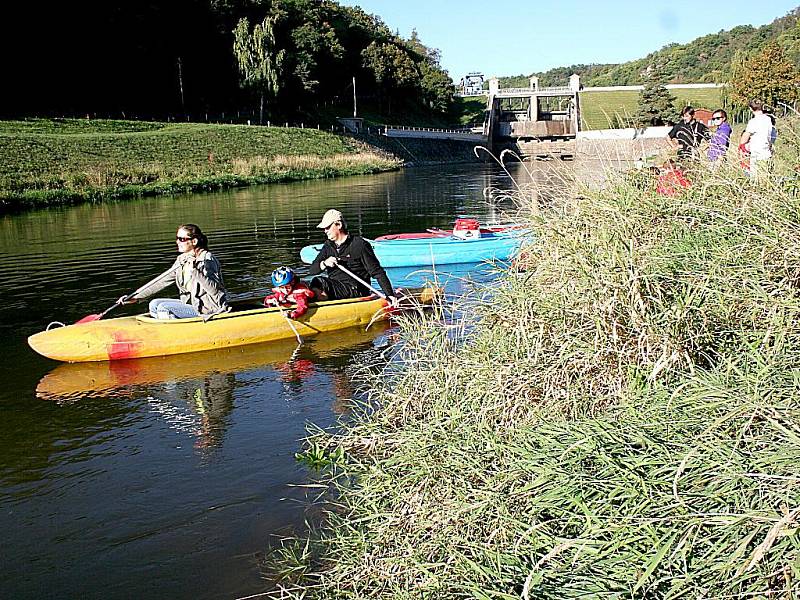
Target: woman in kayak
198, 276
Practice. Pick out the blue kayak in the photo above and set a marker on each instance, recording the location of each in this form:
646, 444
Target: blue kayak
435, 251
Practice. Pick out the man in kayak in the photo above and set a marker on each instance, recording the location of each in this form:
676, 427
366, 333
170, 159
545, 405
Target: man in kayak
355, 254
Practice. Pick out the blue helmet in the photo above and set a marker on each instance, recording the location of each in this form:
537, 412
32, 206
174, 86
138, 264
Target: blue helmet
282, 276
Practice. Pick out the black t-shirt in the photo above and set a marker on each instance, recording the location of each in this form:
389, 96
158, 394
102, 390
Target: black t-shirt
689, 135
357, 256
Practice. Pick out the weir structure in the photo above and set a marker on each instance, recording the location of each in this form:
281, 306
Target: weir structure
534, 121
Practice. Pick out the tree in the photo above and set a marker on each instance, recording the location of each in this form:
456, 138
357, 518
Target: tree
260, 63
656, 104
767, 74
438, 90
437, 87
392, 68
312, 41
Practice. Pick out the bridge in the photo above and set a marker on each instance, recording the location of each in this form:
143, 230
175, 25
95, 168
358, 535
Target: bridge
532, 121
548, 121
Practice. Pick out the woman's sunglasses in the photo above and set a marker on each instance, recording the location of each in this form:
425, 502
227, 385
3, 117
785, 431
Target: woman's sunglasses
183, 239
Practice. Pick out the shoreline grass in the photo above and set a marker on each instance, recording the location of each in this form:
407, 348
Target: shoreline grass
72, 161
623, 420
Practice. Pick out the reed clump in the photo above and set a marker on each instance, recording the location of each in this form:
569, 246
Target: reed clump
620, 419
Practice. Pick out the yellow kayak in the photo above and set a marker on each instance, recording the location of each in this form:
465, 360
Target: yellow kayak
141, 336
75, 381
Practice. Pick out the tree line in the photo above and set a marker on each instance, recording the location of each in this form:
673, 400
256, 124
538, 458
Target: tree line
754, 63
280, 58
708, 59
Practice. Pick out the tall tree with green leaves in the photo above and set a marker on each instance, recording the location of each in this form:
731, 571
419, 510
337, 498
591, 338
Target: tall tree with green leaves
437, 88
392, 67
768, 74
656, 104
260, 62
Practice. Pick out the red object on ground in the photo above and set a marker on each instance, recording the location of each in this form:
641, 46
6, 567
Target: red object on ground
744, 158
671, 181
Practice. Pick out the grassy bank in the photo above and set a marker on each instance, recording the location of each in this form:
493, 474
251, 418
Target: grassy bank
69, 161
606, 110
622, 422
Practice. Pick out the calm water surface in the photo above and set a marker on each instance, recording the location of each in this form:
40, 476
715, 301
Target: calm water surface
168, 477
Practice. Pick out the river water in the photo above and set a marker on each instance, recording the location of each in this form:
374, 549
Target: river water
170, 477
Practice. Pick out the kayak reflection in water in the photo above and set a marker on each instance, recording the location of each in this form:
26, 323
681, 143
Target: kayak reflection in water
197, 274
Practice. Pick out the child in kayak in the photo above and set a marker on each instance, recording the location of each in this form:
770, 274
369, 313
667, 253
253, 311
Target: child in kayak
289, 289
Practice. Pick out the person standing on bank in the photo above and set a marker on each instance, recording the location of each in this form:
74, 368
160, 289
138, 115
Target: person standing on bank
688, 134
758, 138
197, 274
721, 138
355, 254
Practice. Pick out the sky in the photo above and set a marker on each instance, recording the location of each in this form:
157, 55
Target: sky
523, 37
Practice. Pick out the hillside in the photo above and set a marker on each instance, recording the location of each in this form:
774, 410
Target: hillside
706, 59
62, 161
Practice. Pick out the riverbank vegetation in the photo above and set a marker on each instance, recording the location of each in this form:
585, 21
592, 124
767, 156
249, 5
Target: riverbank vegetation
45, 162
618, 418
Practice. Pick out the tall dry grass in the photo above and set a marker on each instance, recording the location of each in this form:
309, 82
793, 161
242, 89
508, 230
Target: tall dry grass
621, 419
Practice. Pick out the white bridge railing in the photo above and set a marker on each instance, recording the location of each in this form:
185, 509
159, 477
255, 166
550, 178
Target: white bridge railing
528, 91
474, 133
465, 129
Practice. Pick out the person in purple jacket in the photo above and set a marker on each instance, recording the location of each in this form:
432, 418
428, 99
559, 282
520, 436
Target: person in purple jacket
721, 138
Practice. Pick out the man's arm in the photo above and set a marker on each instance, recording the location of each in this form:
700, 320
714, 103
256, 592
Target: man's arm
375, 269
315, 268
672, 135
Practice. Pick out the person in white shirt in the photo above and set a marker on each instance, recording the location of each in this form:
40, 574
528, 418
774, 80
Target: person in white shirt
758, 138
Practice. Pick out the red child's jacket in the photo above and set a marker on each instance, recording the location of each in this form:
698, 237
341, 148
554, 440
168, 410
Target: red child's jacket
296, 292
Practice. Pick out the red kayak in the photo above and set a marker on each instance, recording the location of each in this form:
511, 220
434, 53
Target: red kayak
464, 228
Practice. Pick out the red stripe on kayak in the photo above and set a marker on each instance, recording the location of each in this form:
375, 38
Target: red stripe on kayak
123, 347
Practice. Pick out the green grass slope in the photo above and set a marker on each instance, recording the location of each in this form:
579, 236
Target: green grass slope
604, 110
616, 418
70, 160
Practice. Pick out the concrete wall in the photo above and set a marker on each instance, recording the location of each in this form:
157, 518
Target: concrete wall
669, 86
624, 134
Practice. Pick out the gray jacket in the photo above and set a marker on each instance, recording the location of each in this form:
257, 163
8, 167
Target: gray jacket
199, 280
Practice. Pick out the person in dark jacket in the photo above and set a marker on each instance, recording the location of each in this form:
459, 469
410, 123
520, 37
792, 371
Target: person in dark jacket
688, 134
355, 254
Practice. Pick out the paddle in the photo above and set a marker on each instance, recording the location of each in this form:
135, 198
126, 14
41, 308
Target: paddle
97, 317
294, 329
359, 280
